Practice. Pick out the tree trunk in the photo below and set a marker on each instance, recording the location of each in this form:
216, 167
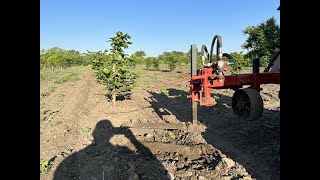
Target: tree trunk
113, 67
51, 68
113, 92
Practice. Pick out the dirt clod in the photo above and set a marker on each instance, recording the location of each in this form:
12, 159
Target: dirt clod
229, 162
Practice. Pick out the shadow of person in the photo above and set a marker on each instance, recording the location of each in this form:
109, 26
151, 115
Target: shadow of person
103, 160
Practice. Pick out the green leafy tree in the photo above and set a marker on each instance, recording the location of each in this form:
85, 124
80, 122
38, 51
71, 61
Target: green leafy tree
58, 57
132, 61
52, 61
149, 62
170, 59
181, 57
73, 57
53, 57
155, 62
140, 54
263, 40
135, 59
177, 53
118, 43
99, 61
43, 59
118, 78
184, 59
240, 61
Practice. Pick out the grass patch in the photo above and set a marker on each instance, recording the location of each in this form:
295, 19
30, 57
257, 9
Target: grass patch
68, 76
140, 72
47, 93
85, 129
61, 95
59, 76
146, 83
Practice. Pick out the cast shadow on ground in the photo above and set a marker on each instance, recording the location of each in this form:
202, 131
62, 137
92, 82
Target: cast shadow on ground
251, 144
119, 97
103, 160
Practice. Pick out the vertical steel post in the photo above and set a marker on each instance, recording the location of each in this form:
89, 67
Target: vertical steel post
194, 54
256, 65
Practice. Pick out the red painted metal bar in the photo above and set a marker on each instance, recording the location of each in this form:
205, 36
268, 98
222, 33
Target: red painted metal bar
242, 79
247, 79
208, 81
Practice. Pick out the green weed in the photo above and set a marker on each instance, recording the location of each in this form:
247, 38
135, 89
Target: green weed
85, 129
47, 93
45, 166
164, 91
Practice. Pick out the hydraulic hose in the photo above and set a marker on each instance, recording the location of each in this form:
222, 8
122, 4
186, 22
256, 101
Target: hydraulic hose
219, 48
231, 61
203, 51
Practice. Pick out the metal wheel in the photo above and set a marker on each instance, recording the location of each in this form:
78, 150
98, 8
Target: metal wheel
247, 103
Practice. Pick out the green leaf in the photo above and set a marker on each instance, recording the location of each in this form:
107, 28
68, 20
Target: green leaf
45, 163
106, 71
117, 57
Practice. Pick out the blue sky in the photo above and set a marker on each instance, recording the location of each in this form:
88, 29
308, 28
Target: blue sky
154, 26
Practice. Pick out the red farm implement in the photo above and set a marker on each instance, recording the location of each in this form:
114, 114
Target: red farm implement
246, 102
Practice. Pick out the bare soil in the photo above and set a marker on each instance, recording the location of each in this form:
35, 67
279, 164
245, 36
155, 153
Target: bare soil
83, 139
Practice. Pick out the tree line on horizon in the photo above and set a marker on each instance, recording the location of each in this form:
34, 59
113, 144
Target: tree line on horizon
262, 41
